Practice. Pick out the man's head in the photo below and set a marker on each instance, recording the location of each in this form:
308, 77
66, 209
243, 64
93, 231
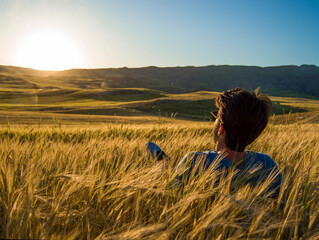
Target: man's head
242, 116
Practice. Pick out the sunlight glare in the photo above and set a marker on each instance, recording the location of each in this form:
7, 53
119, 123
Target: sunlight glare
48, 50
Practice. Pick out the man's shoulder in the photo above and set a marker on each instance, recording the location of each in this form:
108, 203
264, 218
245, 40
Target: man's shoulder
269, 168
209, 157
205, 155
257, 158
193, 156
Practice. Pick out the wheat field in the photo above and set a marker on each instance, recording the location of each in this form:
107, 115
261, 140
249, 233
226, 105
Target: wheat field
99, 183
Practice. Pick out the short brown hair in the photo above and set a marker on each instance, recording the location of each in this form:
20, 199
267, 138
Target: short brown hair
244, 116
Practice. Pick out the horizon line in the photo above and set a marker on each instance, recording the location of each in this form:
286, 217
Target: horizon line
152, 66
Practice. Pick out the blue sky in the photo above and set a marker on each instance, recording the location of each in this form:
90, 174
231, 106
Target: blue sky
136, 33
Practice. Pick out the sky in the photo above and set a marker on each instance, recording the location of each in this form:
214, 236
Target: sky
54, 35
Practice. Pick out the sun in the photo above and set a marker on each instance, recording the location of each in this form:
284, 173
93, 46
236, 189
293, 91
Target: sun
48, 50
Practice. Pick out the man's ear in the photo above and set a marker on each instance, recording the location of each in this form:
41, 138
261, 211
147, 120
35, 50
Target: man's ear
221, 129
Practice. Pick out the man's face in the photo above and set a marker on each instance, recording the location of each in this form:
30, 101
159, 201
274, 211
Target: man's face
216, 129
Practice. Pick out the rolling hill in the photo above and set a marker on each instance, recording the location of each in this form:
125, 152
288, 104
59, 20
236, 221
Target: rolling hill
165, 92
293, 81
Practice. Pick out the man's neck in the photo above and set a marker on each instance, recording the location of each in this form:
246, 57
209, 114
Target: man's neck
232, 156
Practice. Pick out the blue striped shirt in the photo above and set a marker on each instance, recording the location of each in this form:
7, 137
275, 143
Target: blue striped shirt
261, 165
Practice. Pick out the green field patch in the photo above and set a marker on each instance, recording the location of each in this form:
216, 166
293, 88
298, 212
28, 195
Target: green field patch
279, 109
197, 109
118, 95
290, 93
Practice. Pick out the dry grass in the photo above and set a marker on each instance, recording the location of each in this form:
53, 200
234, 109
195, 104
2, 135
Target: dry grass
100, 183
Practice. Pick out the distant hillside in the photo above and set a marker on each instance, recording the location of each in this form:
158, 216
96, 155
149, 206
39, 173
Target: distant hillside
295, 81
149, 92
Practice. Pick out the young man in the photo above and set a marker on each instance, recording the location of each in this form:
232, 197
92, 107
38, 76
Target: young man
241, 118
